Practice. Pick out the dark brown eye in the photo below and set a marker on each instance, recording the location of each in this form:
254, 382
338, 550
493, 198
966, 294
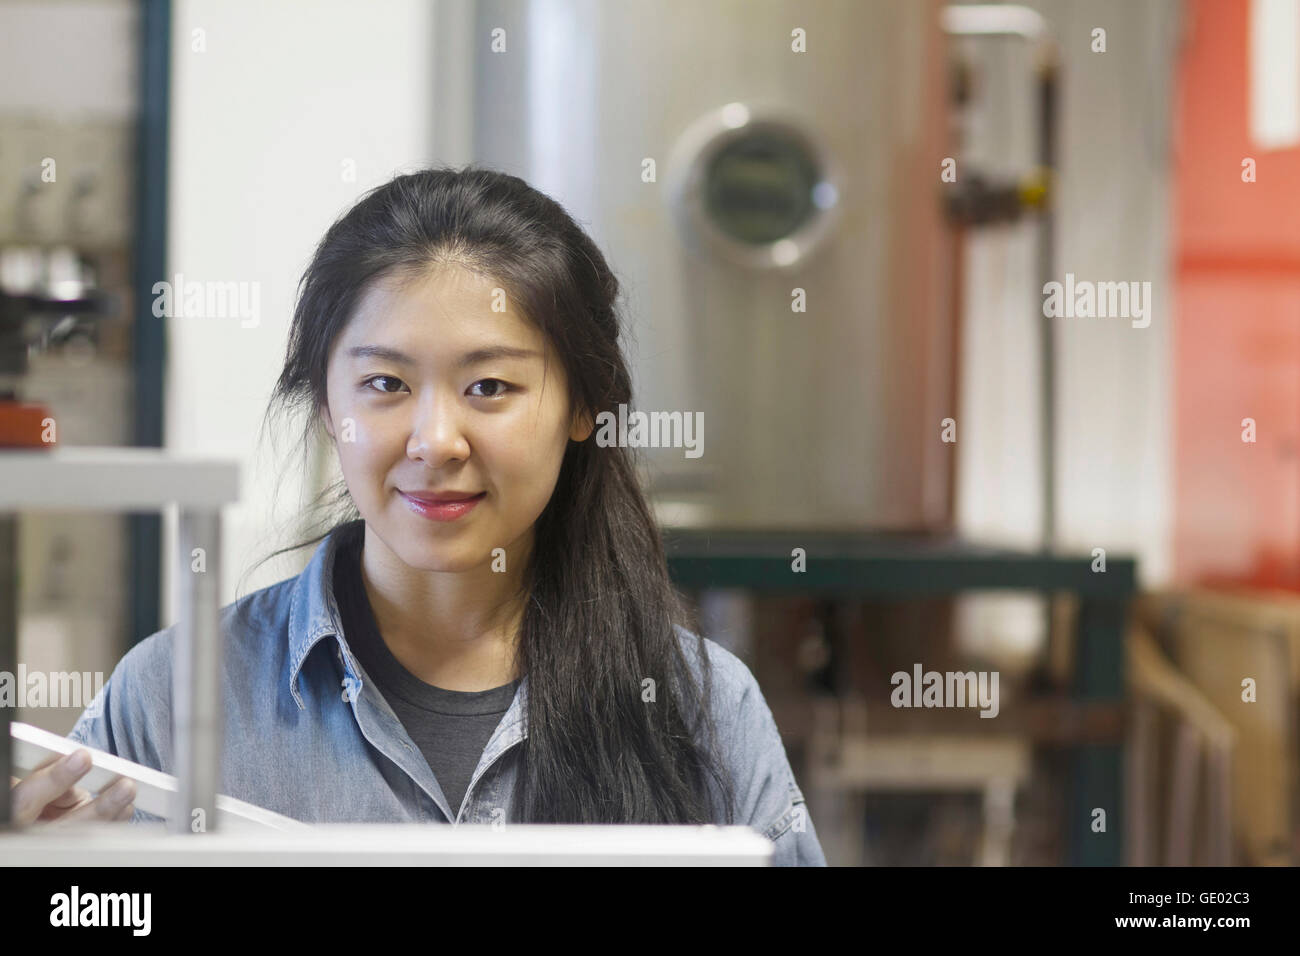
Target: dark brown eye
496, 392
383, 378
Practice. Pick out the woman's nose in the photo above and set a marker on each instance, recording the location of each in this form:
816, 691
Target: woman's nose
437, 434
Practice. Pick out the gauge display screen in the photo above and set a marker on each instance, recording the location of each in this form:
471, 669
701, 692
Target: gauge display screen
758, 188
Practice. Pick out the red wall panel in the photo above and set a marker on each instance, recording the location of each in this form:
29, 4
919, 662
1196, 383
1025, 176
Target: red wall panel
1236, 335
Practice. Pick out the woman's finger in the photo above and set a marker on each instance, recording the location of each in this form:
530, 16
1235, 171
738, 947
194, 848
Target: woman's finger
47, 784
110, 802
70, 798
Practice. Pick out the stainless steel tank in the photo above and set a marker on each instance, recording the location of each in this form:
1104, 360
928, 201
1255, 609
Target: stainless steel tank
730, 176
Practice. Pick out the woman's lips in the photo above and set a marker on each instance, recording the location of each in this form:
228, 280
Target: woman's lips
442, 510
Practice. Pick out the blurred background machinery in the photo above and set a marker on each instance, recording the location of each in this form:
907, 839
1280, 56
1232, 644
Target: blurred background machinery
69, 140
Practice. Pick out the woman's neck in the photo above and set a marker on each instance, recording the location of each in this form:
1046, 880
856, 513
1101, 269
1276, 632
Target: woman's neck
455, 630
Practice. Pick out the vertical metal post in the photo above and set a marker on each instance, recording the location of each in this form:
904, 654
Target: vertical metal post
1047, 95
8, 644
149, 332
197, 718
1098, 769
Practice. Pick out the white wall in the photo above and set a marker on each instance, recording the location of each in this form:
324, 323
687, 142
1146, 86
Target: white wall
262, 121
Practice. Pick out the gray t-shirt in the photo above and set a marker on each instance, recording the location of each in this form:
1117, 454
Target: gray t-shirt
450, 727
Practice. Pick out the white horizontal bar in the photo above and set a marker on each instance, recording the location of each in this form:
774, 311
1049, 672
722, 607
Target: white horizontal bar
388, 844
113, 479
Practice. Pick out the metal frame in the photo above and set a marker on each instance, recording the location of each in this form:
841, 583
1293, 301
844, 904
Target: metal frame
149, 348
138, 479
856, 566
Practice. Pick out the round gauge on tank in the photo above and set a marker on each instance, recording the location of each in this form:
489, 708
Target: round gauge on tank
759, 187
753, 185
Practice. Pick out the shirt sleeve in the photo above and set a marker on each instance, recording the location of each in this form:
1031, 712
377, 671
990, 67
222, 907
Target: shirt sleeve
130, 717
768, 798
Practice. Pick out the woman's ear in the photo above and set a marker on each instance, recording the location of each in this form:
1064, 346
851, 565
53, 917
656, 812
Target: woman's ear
583, 425
324, 413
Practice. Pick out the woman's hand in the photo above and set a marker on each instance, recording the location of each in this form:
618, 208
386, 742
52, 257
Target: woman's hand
49, 794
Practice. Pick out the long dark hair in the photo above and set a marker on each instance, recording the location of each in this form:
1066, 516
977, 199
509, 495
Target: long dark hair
601, 611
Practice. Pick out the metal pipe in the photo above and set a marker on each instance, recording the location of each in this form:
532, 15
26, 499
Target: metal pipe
8, 644
1024, 23
1047, 79
197, 675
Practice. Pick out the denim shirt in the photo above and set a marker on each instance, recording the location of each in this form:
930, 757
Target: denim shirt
307, 735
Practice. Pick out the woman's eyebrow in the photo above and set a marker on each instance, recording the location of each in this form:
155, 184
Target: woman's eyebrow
380, 352
495, 352
469, 358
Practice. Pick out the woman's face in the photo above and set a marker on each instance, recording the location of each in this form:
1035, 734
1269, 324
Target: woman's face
429, 391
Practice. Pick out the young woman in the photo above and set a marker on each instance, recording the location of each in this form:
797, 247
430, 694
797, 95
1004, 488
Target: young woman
488, 631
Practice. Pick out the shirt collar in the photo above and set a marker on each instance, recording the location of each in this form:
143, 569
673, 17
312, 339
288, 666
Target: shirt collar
313, 609
314, 614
